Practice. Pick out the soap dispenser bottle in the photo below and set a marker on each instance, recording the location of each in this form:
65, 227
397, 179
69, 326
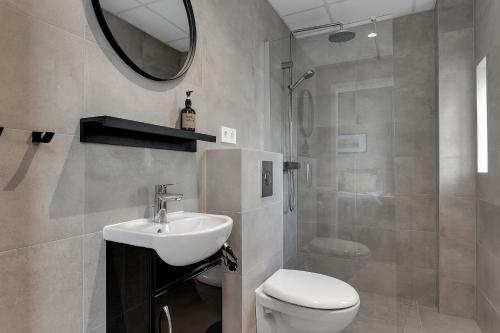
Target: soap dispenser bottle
188, 115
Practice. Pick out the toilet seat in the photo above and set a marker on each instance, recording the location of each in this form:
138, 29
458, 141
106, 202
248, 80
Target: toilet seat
302, 302
310, 290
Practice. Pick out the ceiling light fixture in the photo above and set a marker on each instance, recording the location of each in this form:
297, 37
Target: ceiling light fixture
373, 34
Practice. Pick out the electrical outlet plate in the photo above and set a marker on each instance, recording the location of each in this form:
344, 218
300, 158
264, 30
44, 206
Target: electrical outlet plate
228, 135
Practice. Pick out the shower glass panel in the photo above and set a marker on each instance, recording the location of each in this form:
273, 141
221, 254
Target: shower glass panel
362, 213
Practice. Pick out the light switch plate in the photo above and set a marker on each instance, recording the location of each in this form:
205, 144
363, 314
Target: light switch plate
227, 135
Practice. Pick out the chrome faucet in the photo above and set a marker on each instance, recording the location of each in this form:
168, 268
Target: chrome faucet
160, 204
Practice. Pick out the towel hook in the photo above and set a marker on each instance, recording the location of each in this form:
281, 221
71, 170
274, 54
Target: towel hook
41, 137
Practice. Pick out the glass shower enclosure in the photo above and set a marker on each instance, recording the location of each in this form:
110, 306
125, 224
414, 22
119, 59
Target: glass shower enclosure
358, 134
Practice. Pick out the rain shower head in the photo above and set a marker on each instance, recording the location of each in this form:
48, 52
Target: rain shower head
307, 75
341, 36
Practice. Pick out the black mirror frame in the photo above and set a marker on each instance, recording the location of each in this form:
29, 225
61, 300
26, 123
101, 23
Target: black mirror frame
123, 55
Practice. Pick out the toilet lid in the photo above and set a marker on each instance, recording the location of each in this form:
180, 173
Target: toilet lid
311, 290
338, 247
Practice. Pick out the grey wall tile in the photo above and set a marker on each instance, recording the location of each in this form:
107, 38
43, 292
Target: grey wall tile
457, 260
262, 234
410, 38
67, 15
42, 288
119, 200
457, 158
94, 282
37, 59
379, 213
425, 286
487, 318
457, 176
42, 190
488, 228
232, 302
457, 217
455, 15
223, 180
251, 281
456, 298
105, 84
488, 273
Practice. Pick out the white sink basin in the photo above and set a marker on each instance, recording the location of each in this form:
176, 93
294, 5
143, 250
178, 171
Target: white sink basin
187, 238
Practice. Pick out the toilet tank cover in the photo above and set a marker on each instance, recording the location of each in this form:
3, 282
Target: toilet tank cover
311, 290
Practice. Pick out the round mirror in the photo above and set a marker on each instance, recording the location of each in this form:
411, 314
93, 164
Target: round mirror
157, 38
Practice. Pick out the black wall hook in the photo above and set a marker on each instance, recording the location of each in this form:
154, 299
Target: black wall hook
41, 137
1, 130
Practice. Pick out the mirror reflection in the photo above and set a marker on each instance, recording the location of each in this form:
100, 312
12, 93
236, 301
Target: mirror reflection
155, 37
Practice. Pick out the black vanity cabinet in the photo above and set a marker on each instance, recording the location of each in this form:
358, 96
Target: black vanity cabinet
144, 294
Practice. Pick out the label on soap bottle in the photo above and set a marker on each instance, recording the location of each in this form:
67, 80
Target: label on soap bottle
189, 121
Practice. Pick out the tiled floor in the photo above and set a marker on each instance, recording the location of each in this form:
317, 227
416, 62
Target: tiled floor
381, 314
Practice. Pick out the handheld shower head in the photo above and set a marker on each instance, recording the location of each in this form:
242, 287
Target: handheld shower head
307, 75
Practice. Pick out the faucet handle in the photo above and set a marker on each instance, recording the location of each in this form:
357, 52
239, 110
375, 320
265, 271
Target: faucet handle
162, 188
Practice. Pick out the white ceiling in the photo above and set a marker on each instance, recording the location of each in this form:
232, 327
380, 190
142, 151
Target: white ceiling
166, 20
305, 13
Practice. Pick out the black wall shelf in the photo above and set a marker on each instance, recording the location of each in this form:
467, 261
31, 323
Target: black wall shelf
123, 132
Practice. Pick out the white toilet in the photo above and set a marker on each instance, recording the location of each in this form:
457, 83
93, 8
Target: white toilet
303, 302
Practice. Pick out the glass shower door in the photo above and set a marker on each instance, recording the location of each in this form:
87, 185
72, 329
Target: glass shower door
355, 127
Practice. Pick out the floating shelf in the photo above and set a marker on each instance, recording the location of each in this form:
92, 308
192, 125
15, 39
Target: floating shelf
123, 132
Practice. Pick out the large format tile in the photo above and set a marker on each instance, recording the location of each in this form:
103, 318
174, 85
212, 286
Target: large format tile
41, 289
42, 75
457, 217
488, 227
457, 298
488, 318
65, 14
42, 190
488, 274
457, 260
251, 281
94, 282
232, 302
223, 180
119, 183
455, 15
262, 234
112, 88
457, 176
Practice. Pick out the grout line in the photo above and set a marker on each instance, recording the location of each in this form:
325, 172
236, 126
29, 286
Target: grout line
46, 22
30, 131
40, 244
303, 11
83, 285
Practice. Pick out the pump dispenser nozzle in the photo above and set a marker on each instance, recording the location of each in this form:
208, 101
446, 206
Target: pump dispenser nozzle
188, 99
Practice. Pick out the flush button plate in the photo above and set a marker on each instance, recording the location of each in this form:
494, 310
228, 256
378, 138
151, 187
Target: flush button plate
267, 179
